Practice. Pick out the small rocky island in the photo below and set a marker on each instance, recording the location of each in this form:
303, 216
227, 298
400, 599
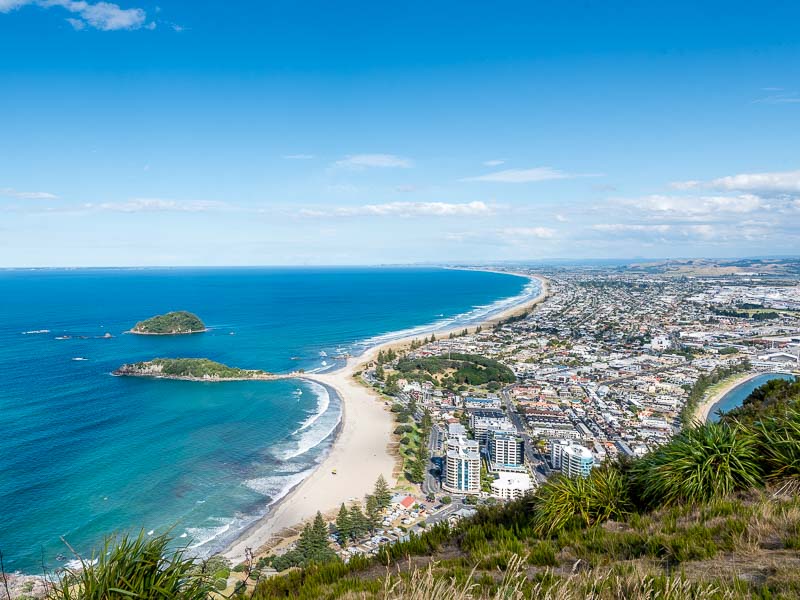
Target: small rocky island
192, 369
179, 322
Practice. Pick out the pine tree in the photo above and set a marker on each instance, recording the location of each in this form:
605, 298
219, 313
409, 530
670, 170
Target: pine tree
319, 532
305, 543
344, 525
433, 338
360, 526
373, 512
416, 472
382, 493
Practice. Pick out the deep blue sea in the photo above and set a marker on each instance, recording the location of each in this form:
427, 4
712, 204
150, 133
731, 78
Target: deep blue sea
738, 394
84, 453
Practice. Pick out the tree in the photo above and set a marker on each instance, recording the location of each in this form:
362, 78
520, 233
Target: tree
305, 543
359, 523
416, 472
379, 374
427, 420
319, 531
316, 548
373, 512
344, 525
382, 493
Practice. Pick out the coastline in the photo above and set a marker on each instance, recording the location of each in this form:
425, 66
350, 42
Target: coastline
706, 408
361, 450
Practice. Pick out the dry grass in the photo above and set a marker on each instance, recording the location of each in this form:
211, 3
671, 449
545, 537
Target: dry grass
638, 584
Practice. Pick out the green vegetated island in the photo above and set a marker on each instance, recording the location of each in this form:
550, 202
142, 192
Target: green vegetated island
179, 322
192, 369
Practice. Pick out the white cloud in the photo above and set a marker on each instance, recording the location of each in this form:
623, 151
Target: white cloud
158, 205
298, 156
782, 182
691, 206
521, 175
705, 232
366, 161
405, 210
560, 218
631, 228
493, 163
12, 193
542, 233
9, 5
105, 16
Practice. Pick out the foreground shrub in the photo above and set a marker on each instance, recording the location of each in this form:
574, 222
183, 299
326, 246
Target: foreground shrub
139, 567
779, 441
562, 501
701, 463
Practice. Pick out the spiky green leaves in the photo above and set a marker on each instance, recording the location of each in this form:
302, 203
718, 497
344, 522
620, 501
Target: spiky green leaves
701, 463
581, 501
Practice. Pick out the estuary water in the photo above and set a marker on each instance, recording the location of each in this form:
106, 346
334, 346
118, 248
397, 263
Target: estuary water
84, 453
737, 395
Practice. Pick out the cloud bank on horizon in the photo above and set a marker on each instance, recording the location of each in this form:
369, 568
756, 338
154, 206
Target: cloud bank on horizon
288, 134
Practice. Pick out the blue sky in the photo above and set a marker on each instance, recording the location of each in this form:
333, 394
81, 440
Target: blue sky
252, 133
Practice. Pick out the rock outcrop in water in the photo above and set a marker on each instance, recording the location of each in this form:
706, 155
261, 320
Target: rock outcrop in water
192, 369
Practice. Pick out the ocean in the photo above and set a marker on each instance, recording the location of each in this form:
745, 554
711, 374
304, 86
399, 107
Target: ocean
84, 453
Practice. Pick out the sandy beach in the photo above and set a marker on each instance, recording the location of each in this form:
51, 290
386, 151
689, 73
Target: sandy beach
704, 409
361, 452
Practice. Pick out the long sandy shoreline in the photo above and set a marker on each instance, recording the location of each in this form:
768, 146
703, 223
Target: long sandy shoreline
361, 452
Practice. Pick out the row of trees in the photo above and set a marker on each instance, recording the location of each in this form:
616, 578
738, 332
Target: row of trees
386, 357
312, 547
354, 523
417, 344
415, 471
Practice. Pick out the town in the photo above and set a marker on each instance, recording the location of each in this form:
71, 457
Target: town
611, 364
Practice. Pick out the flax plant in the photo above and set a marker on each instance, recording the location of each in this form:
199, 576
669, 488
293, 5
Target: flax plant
581, 501
134, 567
701, 463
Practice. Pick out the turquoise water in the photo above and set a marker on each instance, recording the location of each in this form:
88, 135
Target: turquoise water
83, 453
737, 395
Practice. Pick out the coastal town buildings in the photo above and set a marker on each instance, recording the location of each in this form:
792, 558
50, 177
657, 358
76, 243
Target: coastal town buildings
505, 451
510, 486
462, 466
604, 367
